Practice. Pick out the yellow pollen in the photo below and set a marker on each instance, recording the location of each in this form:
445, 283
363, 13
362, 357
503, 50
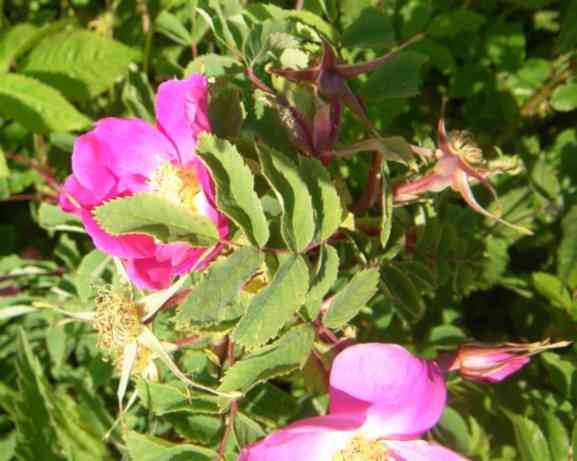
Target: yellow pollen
362, 449
143, 359
256, 283
462, 143
178, 185
117, 321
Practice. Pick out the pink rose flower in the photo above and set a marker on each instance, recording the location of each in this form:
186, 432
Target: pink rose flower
120, 157
382, 399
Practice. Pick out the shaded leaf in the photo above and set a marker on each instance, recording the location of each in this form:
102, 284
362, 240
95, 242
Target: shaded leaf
372, 29
399, 77
403, 294
531, 441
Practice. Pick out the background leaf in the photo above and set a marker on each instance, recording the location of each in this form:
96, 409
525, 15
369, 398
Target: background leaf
36, 106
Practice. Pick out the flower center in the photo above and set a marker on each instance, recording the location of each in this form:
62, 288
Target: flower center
117, 321
178, 185
463, 145
363, 449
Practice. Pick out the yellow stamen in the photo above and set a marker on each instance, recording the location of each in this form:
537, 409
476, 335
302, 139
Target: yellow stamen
462, 144
117, 320
143, 360
178, 185
363, 449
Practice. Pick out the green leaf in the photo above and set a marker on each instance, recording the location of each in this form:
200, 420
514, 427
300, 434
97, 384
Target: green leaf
37, 106
4, 171
52, 218
399, 77
387, 206
551, 288
564, 98
79, 63
287, 354
574, 438
455, 22
403, 294
246, 430
148, 448
8, 446
225, 111
170, 26
282, 173
455, 430
51, 423
221, 287
567, 251
235, 195
173, 397
18, 39
325, 198
323, 279
352, 298
530, 440
274, 305
89, 272
151, 214
212, 65
555, 434
372, 29
138, 95
567, 39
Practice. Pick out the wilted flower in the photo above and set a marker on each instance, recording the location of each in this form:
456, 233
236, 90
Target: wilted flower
123, 335
382, 399
491, 363
121, 157
459, 161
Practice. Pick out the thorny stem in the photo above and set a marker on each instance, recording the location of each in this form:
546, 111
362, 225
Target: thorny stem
372, 187
544, 92
233, 409
188, 340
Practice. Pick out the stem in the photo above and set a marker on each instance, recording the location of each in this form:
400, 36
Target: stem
229, 424
45, 172
372, 187
142, 7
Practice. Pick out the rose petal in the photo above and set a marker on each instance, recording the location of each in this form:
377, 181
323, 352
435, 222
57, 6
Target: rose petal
419, 450
74, 196
313, 439
157, 271
182, 113
123, 246
402, 395
205, 207
119, 153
